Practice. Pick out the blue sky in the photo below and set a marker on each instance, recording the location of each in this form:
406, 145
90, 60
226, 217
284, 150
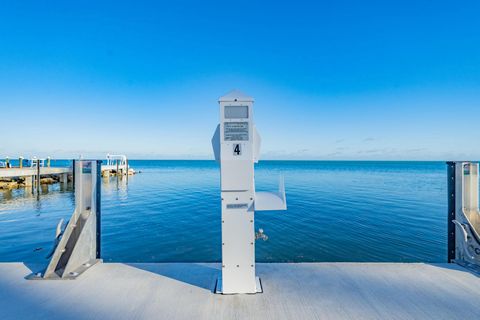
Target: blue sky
332, 80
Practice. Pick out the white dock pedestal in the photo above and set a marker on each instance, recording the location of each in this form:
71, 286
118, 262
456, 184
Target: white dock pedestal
236, 145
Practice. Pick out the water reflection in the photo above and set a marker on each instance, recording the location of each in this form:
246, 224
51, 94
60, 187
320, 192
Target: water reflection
117, 186
16, 199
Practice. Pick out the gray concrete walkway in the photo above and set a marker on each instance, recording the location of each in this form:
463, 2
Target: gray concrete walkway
27, 171
291, 291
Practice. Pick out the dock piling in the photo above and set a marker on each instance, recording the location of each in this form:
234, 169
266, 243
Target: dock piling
28, 181
38, 177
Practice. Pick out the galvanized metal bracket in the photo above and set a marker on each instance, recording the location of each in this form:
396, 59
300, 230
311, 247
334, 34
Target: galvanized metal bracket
218, 286
463, 214
77, 247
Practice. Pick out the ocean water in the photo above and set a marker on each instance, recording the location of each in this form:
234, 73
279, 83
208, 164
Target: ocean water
337, 211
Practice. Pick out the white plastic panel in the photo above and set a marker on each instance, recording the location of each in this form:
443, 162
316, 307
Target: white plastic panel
257, 143
216, 143
236, 175
267, 201
238, 243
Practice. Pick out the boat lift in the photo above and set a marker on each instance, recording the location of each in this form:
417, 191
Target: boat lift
117, 163
236, 145
77, 246
463, 214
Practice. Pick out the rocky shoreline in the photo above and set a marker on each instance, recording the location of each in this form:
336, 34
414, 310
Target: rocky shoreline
15, 183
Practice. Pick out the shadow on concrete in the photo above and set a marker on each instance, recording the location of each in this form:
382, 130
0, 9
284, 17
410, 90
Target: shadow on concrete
201, 275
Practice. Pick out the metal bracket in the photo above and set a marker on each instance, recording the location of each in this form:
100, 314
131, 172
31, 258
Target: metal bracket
258, 285
77, 247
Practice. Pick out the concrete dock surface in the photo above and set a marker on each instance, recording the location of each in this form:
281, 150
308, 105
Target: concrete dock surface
27, 171
291, 291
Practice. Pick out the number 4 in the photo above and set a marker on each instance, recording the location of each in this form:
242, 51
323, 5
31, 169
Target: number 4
237, 150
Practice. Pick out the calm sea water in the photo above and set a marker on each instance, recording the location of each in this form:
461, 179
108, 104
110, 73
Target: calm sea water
337, 211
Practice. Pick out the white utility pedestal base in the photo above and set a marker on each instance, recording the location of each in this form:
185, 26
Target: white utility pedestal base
218, 286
